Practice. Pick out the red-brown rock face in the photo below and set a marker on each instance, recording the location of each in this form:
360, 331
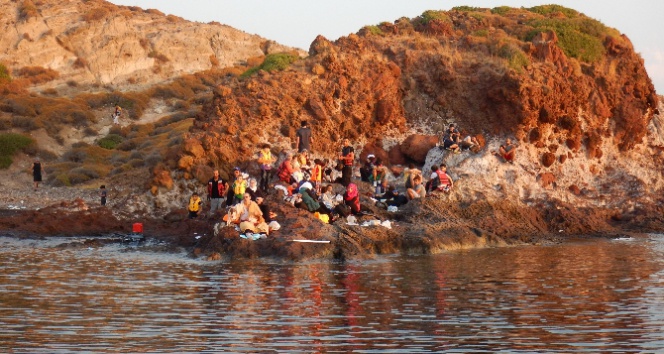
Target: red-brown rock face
487, 72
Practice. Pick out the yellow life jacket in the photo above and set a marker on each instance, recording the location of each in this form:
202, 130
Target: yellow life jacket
194, 203
239, 188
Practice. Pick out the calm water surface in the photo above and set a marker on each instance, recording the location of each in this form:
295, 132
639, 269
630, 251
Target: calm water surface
587, 296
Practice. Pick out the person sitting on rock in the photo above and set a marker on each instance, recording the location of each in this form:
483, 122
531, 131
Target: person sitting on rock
309, 197
329, 198
253, 189
267, 214
450, 144
439, 180
417, 190
409, 174
367, 169
453, 133
303, 162
352, 198
470, 143
507, 151
251, 216
379, 178
285, 170
394, 198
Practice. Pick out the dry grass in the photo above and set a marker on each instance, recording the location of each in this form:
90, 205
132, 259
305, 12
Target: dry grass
37, 74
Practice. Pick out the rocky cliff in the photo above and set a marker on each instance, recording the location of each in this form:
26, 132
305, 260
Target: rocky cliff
573, 93
96, 42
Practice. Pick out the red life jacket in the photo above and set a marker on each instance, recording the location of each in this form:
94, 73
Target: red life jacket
444, 180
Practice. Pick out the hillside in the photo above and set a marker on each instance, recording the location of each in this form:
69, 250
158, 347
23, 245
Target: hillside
97, 43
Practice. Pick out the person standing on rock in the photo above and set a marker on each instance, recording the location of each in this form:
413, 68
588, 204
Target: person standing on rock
347, 158
103, 193
230, 195
216, 189
36, 173
194, 206
265, 160
304, 138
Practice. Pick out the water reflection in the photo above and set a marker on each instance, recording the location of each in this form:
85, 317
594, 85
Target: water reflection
595, 296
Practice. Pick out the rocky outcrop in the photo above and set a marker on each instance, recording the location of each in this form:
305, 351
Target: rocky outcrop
494, 73
96, 42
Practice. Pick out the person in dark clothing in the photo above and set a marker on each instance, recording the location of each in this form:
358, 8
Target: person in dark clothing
216, 188
304, 138
347, 158
230, 195
394, 198
36, 173
367, 170
267, 214
103, 194
254, 191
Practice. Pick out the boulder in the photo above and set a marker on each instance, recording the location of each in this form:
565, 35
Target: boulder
416, 146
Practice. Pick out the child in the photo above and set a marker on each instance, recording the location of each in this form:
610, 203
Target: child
102, 194
194, 205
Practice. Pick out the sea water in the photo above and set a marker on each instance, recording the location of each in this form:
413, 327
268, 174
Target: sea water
590, 296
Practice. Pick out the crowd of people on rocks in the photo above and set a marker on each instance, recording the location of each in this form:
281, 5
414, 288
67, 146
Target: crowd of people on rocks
326, 188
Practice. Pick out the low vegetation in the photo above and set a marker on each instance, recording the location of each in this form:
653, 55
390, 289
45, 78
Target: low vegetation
273, 62
10, 144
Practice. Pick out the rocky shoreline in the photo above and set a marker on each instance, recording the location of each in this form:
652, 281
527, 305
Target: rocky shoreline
436, 224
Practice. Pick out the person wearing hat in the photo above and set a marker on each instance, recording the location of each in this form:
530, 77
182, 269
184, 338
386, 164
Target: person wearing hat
367, 169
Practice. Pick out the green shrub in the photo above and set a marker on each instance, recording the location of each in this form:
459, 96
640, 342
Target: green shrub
549, 9
5, 162
272, 62
516, 58
465, 8
11, 143
431, 15
4, 74
481, 33
579, 38
501, 10
373, 30
110, 142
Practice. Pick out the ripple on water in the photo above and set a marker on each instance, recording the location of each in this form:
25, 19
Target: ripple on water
587, 296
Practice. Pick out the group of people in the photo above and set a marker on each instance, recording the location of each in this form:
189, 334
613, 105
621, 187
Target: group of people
450, 139
310, 183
